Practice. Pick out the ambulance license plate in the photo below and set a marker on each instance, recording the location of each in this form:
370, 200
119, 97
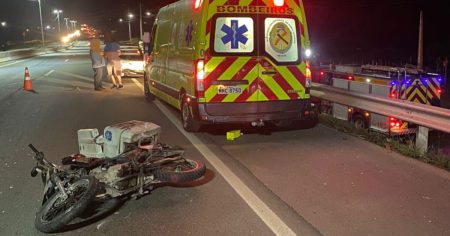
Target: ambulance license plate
230, 90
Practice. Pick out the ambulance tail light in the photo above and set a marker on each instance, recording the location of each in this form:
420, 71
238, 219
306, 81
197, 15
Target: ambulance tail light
200, 77
278, 3
308, 73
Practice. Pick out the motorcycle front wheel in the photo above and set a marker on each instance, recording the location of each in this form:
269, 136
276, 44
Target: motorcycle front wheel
185, 170
56, 212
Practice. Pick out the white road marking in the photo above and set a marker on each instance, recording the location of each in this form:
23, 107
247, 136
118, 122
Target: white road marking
66, 60
258, 206
49, 73
12, 63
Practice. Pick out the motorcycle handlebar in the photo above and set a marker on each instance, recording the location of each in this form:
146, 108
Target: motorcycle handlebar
33, 148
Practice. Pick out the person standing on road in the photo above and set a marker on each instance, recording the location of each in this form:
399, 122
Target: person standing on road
112, 55
98, 63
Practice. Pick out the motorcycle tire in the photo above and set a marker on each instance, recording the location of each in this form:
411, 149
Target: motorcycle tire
85, 190
181, 171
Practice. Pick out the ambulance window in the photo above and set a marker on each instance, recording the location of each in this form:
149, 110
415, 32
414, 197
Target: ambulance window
152, 37
234, 35
186, 34
281, 39
173, 37
163, 35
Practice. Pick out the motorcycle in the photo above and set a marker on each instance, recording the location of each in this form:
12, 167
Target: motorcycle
142, 164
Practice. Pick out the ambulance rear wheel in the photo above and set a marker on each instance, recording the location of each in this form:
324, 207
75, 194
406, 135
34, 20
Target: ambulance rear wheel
190, 124
148, 95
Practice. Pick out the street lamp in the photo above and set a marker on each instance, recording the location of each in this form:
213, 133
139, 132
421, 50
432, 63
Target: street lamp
57, 12
130, 16
67, 24
74, 24
3, 23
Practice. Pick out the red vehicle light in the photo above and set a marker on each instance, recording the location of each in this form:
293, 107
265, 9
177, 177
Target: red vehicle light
200, 77
350, 78
322, 73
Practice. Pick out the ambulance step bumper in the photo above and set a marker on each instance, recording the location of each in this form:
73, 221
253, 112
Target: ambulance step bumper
251, 111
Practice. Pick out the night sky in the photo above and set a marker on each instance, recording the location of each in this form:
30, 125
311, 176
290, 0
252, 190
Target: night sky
341, 31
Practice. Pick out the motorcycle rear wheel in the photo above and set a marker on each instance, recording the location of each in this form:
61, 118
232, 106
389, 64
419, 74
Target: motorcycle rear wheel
55, 213
185, 170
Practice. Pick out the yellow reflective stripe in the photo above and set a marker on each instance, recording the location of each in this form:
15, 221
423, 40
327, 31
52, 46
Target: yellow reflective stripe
434, 89
289, 77
250, 77
422, 96
275, 87
210, 93
254, 97
261, 96
212, 9
213, 64
227, 75
234, 68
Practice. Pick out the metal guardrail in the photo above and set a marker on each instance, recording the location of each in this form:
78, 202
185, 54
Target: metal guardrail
423, 115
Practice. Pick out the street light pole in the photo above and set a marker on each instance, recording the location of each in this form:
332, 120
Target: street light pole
140, 19
67, 24
57, 12
130, 16
42, 27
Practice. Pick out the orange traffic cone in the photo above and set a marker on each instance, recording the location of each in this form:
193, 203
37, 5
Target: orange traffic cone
27, 85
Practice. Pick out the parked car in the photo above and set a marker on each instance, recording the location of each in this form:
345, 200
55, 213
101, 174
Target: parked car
132, 64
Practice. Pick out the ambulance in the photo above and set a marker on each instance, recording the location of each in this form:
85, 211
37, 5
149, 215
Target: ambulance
231, 61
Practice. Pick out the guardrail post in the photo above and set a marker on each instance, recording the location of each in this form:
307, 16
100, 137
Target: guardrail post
422, 140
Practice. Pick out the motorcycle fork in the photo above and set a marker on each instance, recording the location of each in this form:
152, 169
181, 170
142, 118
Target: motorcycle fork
57, 181
141, 183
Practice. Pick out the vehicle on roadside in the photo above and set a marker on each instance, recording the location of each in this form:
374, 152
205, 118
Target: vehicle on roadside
132, 64
402, 83
126, 161
231, 61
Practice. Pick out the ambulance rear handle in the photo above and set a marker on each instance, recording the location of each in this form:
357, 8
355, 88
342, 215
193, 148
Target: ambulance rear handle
269, 72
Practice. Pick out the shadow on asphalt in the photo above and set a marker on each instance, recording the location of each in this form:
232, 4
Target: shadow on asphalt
267, 129
100, 209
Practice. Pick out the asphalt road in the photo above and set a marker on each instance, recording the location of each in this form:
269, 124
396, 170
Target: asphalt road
299, 181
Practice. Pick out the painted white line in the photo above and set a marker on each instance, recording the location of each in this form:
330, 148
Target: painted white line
49, 73
258, 206
12, 63
66, 60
